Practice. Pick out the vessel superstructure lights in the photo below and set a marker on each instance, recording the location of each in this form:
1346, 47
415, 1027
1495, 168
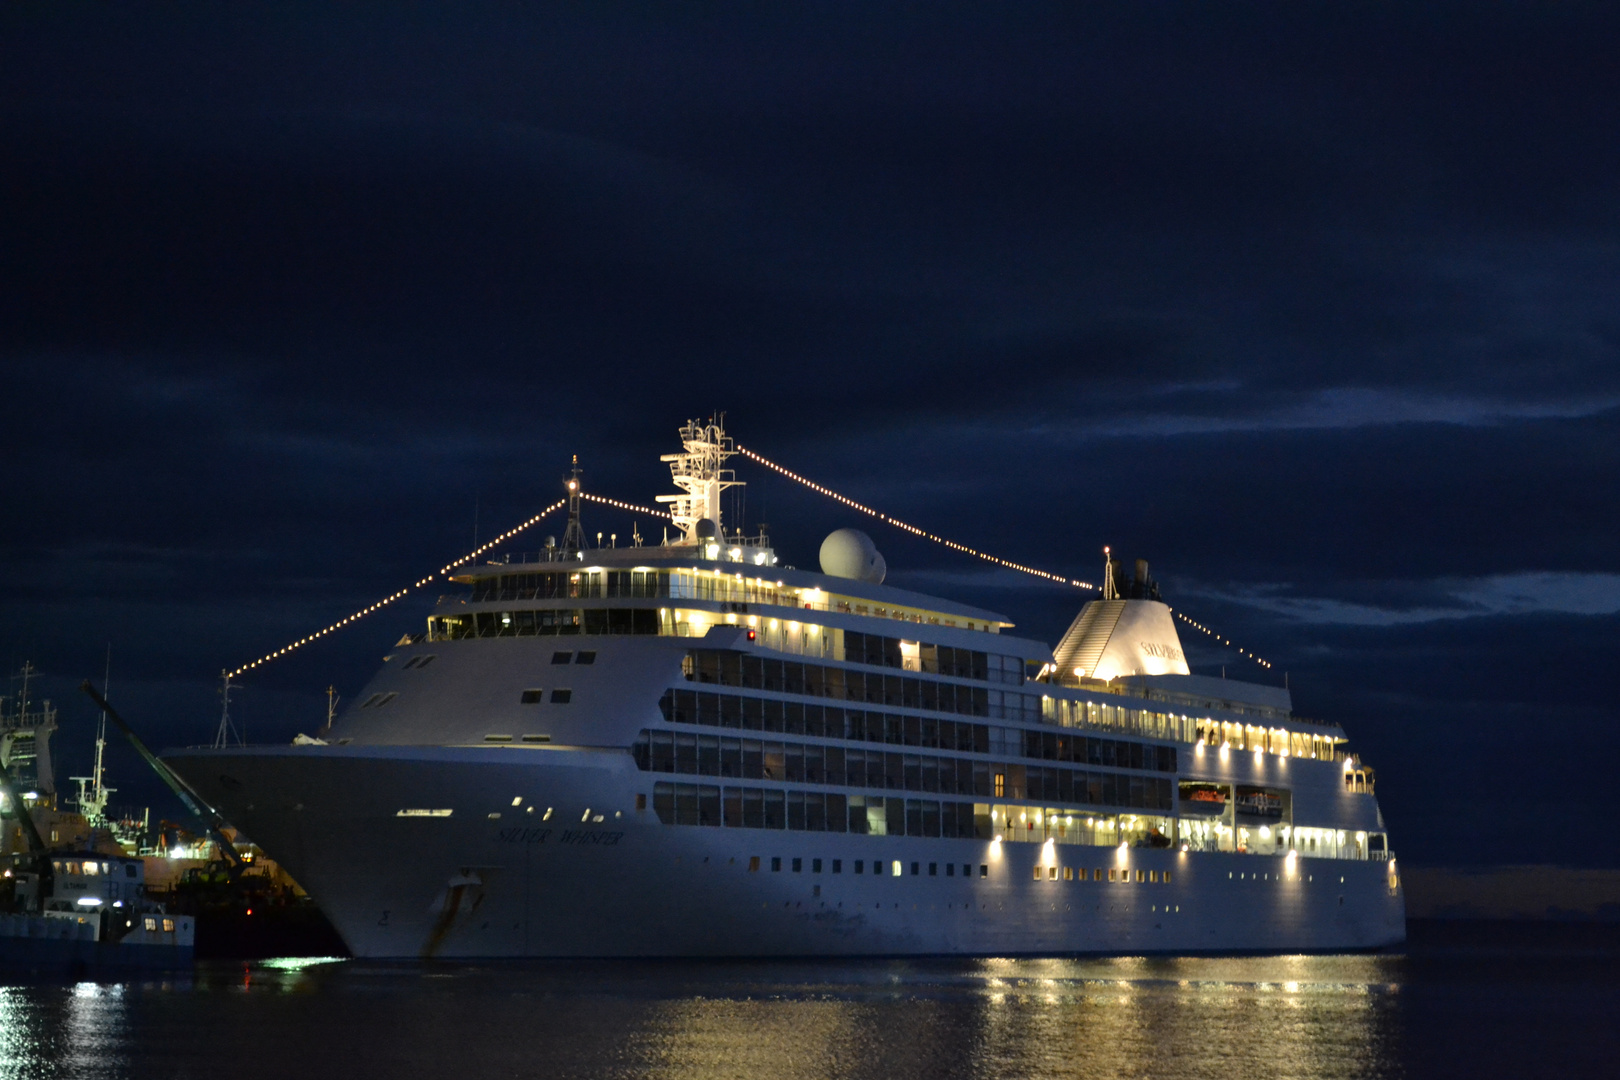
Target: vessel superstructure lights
710, 551
443, 571
964, 548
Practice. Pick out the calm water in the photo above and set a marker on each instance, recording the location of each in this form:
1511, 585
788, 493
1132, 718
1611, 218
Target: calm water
1472, 1012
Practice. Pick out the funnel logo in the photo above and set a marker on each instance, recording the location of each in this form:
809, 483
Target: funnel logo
1163, 652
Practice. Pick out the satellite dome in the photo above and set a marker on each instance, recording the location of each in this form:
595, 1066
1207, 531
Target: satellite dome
706, 529
850, 553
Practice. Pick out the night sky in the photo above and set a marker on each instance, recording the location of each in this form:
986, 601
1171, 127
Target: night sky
1316, 306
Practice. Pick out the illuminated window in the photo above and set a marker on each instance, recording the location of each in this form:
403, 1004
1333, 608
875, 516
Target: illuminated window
1001, 785
561, 697
1167, 881
536, 738
1140, 877
1153, 877
753, 864
497, 738
1051, 873
1096, 873
1068, 873
897, 868
1110, 873
149, 923
168, 926
533, 697
1037, 873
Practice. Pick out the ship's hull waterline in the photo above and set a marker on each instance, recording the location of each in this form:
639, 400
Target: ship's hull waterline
599, 878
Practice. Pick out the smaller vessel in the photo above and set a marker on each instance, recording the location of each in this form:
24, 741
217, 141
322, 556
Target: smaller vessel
66, 910
85, 913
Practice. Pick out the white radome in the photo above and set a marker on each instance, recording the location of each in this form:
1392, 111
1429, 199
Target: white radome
850, 553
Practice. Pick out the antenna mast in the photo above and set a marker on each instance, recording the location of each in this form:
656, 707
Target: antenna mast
573, 541
701, 475
222, 738
93, 802
1110, 591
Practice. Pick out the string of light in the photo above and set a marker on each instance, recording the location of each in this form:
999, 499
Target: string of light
1196, 625
443, 571
616, 504
963, 548
914, 530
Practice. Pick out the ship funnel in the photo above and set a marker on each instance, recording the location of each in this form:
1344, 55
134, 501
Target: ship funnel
1128, 632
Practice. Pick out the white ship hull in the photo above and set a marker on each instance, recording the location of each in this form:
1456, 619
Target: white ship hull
469, 886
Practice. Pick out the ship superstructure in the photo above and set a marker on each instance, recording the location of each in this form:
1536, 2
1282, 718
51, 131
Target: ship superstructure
689, 750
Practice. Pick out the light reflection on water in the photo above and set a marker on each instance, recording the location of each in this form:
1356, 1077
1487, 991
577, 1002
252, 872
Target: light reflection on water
1271, 1017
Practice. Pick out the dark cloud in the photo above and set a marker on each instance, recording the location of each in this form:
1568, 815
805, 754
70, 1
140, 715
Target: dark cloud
1313, 306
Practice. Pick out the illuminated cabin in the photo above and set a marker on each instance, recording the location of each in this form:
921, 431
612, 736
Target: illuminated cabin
689, 749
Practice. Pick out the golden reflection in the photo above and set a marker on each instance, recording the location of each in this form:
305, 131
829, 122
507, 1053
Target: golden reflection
1187, 1017
1216, 1017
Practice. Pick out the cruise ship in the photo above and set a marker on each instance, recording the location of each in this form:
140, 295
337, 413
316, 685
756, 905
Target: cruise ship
690, 750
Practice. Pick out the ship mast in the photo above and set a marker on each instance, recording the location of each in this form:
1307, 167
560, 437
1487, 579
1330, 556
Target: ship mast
93, 802
227, 729
701, 474
573, 541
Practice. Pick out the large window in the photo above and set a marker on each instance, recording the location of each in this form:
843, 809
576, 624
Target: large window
572, 584
543, 623
810, 811
700, 754
718, 709
755, 672
929, 659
